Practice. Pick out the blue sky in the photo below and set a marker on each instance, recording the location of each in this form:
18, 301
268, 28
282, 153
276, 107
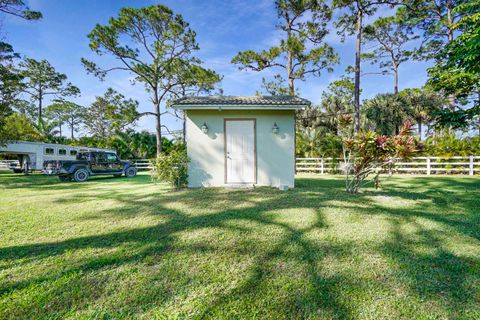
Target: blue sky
223, 29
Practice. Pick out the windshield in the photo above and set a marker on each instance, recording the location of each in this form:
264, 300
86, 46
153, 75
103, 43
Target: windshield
111, 157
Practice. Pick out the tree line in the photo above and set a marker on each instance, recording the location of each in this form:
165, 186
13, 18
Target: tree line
442, 31
445, 32
154, 44
158, 48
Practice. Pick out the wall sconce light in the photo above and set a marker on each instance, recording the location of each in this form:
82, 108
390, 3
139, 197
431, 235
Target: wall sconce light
204, 128
275, 128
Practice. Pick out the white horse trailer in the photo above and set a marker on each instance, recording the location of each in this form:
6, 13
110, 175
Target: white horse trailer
31, 155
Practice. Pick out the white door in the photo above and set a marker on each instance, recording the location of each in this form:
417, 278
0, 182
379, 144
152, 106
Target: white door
240, 151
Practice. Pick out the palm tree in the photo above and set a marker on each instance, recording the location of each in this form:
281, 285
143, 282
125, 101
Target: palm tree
47, 130
386, 113
144, 144
318, 142
138, 145
424, 105
307, 142
335, 107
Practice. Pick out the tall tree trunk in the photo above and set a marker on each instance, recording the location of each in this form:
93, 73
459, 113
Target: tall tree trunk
40, 116
104, 132
395, 72
71, 131
158, 132
451, 97
291, 85
357, 70
60, 128
420, 129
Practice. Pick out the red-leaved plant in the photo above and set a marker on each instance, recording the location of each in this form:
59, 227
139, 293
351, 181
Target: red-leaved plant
368, 152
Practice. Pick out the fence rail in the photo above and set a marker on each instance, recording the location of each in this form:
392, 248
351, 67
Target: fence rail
418, 165
427, 165
142, 164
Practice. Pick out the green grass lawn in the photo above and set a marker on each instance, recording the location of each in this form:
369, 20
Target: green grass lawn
127, 248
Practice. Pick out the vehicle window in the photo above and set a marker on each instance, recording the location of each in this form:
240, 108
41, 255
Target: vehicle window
100, 157
82, 156
73, 152
49, 151
62, 152
111, 157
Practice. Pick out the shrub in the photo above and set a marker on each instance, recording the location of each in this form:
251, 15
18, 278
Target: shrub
447, 145
318, 143
17, 127
369, 152
171, 168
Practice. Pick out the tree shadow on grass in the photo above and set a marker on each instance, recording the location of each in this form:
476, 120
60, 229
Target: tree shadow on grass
317, 295
431, 270
161, 238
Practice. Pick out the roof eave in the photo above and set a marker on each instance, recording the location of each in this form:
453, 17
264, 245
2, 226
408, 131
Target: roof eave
238, 107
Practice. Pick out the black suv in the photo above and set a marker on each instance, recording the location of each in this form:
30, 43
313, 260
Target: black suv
89, 164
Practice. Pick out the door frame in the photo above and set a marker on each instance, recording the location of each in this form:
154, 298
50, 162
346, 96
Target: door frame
254, 120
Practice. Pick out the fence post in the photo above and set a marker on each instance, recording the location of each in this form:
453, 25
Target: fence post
428, 166
470, 172
321, 166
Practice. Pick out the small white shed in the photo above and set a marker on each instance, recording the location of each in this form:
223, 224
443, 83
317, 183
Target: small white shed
234, 141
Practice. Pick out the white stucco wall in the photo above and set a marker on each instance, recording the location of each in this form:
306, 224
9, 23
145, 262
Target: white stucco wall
275, 156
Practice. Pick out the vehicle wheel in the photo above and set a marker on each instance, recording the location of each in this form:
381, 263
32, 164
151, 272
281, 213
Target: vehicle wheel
64, 178
80, 175
117, 175
131, 172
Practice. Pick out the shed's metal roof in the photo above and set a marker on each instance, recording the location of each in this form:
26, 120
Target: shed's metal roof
241, 102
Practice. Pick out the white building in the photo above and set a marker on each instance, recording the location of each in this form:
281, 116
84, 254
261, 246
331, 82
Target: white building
233, 141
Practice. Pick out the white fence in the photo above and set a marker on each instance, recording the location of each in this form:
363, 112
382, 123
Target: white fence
5, 163
420, 165
142, 164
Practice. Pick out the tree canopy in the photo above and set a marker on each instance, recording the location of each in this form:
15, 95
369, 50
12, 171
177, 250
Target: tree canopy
157, 47
41, 80
349, 23
457, 71
20, 9
17, 126
294, 54
110, 114
66, 112
435, 19
391, 37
